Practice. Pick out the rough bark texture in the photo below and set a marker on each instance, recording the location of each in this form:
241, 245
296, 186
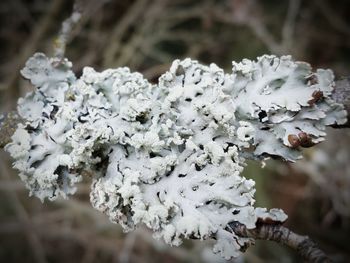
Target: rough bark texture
305, 247
341, 94
8, 125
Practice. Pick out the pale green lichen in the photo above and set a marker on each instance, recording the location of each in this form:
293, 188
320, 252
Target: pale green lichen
169, 155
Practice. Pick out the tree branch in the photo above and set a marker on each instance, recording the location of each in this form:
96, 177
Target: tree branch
305, 247
66, 30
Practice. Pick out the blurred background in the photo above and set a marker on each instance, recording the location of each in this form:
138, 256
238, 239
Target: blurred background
147, 36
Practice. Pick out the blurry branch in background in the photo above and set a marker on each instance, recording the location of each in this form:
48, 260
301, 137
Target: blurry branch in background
305, 247
249, 13
40, 30
127, 19
66, 29
289, 24
82, 11
23, 217
332, 17
129, 243
119, 53
246, 13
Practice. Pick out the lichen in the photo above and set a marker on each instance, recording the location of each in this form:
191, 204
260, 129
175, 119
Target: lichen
169, 155
288, 105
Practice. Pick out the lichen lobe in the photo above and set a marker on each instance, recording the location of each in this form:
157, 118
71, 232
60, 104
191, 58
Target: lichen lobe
169, 156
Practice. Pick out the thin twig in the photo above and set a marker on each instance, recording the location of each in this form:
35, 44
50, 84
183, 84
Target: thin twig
305, 247
128, 19
129, 51
289, 24
244, 13
31, 44
129, 243
332, 16
66, 30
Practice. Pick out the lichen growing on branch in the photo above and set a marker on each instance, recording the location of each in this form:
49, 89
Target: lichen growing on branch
169, 155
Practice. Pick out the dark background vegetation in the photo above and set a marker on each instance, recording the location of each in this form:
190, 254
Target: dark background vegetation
147, 36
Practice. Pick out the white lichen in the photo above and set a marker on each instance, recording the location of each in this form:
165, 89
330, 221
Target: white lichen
169, 155
288, 105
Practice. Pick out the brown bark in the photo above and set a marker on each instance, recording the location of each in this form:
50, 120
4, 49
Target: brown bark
305, 247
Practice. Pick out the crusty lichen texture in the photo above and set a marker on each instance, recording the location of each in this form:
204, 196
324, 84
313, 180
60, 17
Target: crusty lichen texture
169, 155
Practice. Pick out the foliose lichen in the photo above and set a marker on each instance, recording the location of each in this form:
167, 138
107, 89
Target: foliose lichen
169, 155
